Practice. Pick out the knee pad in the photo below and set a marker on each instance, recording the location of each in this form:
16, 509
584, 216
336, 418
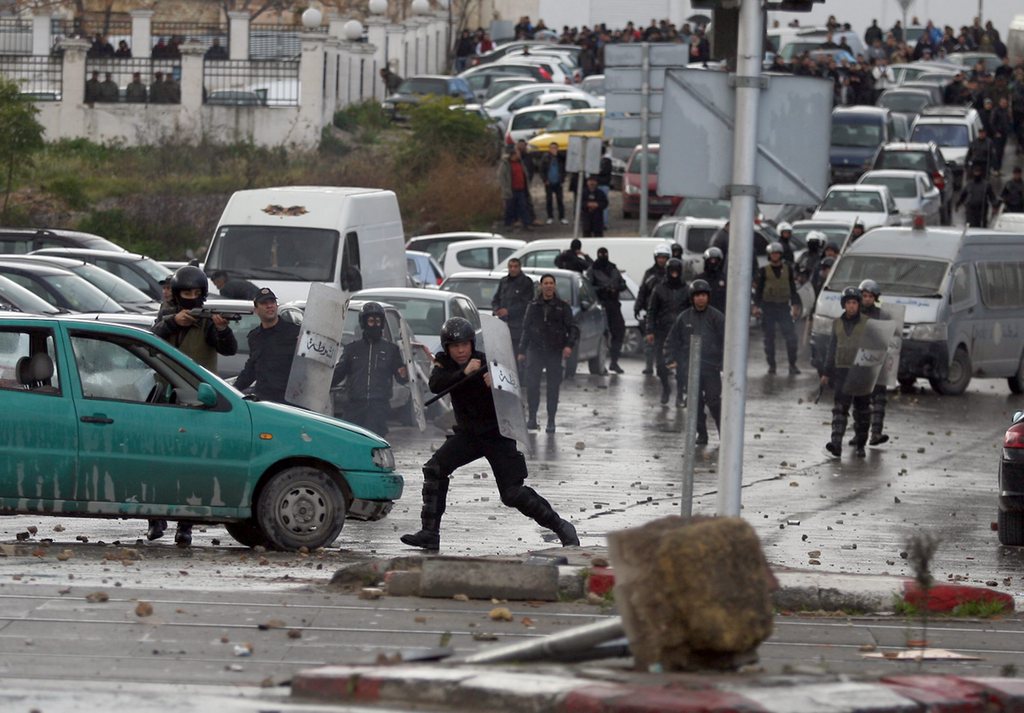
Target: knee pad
432, 472
510, 497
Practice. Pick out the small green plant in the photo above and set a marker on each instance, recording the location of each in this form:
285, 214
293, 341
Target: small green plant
71, 190
979, 610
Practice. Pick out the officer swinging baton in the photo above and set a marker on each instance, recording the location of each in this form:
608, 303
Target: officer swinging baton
454, 386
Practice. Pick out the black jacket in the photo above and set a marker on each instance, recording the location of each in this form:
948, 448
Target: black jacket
976, 194
569, 260
652, 277
667, 301
548, 326
545, 166
709, 323
271, 351
719, 287
607, 281
514, 294
1013, 196
472, 402
368, 369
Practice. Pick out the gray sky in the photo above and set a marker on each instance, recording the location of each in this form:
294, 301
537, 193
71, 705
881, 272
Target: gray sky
859, 13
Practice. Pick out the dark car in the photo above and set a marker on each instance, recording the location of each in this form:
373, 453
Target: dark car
18, 240
857, 132
15, 298
132, 299
587, 312
920, 156
141, 272
908, 101
59, 287
1011, 482
414, 90
657, 204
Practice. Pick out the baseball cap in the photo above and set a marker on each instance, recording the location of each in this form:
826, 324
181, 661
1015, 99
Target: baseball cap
264, 295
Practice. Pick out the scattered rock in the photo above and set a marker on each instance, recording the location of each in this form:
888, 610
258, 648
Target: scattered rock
64, 555
58, 528
580, 445
484, 636
32, 529
95, 597
143, 609
22, 536
500, 614
294, 634
814, 554
461, 597
595, 599
896, 500
271, 624
243, 649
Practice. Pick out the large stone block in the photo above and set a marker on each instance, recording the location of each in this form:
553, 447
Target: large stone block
693, 593
488, 578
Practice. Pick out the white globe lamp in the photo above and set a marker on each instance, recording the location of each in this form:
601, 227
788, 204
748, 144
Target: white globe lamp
378, 7
353, 30
420, 7
312, 18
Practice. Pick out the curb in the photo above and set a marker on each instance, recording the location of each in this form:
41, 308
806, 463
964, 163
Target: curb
463, 688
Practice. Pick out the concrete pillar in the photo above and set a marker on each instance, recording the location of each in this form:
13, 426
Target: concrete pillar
190, 109
423, 35
73, 75
377, 37
41, 25
394, 47
142, 33
311, 90
442, 42
332, 70
336, 25
364, 72
238, 34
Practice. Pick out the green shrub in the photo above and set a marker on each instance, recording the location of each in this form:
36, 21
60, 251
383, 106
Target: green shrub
71, 190
364, 116
438, 129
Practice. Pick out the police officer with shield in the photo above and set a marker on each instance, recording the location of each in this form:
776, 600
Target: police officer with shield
652, 276
847, 334
668, 299
459, 367
870, 292
368, 366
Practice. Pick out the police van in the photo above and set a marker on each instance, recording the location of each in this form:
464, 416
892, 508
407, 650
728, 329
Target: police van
963, 291
287, 238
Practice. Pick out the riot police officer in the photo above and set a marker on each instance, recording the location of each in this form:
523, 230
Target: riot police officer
714, 275
608, 283
785, 239
812, 256
870, 293
549, 335
271, 350
847, 333
652, 276
368, 366
669, 298
709, 323
202, 339
777, 301
460, 365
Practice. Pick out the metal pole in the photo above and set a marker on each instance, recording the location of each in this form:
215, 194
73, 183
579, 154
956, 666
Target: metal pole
578, 638
645, 114
579, 195
692, 414
741, 254
981, 18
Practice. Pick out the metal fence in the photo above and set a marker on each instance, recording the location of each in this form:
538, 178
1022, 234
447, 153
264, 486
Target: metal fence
251, 83
40, 78
165, 89
15, 36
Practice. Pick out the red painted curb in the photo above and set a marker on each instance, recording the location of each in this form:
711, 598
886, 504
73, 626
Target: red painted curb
948, 694
1006, 694
635, 699
354, 687
946, 597
601, 580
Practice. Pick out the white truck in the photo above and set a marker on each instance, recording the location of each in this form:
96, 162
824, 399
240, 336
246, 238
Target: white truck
287, 238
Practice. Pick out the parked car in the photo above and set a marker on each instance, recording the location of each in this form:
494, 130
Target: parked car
501, 107
25, 240
526, 123
483, 254
139, 271
15, 298
413, 90
857, 132
908, 101
503, 49
836, 231
479, 78
594, 84
500, 84
425, 310
436, 244
695, 235
582, 122
868, 205
59, 287
188, 443
967, 60
588, 314
657, 204
913, 191
122, 292
921, 157
423, 269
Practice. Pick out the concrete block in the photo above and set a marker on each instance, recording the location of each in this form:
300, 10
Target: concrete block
487, 579
403, 583
571, 583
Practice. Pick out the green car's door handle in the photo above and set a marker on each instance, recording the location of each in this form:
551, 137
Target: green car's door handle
96, 419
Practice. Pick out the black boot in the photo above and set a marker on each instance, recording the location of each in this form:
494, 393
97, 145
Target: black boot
614, 366
666, 391
535, 507
566, 534
435, 497
878, 439
532, 423
183, 535
156, 529
551, 425
836, 449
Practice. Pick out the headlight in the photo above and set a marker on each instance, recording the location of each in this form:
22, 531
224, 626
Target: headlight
933, 332
632, 190
821, 324
383, 458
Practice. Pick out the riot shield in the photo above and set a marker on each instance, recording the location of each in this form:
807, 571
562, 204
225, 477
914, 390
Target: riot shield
505, 387
318, 350
867, 364
416, 381
889, 375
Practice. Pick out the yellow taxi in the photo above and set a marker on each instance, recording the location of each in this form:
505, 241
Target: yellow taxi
580, 122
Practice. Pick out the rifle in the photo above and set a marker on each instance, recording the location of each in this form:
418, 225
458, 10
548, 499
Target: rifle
457, 384
231, 315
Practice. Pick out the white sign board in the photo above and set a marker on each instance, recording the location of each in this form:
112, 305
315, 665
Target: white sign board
793, 136
584, 155
623, 81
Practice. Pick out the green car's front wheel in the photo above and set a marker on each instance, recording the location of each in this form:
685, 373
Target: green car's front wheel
301, 507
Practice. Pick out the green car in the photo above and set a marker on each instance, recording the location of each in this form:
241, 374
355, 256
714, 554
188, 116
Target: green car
103, 420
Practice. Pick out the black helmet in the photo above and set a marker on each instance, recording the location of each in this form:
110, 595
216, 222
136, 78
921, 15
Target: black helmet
850, 293
455, 331
677, 250
370, 309
674, 264
870, 286
713, 253
189, 277
700, 286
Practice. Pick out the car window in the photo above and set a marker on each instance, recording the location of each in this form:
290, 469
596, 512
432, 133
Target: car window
475, 258
28, 361
950, 135
635, 162
455, 309
961, 290
523, 101
504, 253
124, 272
532, 120
468, 311
846, 201
576, 122
856, 134
540, 258
699, 239
425, 316
906, 160
16, 245
898, 187
423, 85
480, 291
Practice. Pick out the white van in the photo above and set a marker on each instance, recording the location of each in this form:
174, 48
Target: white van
964, 297
287, 238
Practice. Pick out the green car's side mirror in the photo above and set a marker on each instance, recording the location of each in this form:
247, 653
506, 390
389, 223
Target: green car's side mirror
206, 395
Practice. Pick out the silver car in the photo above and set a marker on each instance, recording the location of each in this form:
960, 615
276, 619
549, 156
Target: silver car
913, 191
